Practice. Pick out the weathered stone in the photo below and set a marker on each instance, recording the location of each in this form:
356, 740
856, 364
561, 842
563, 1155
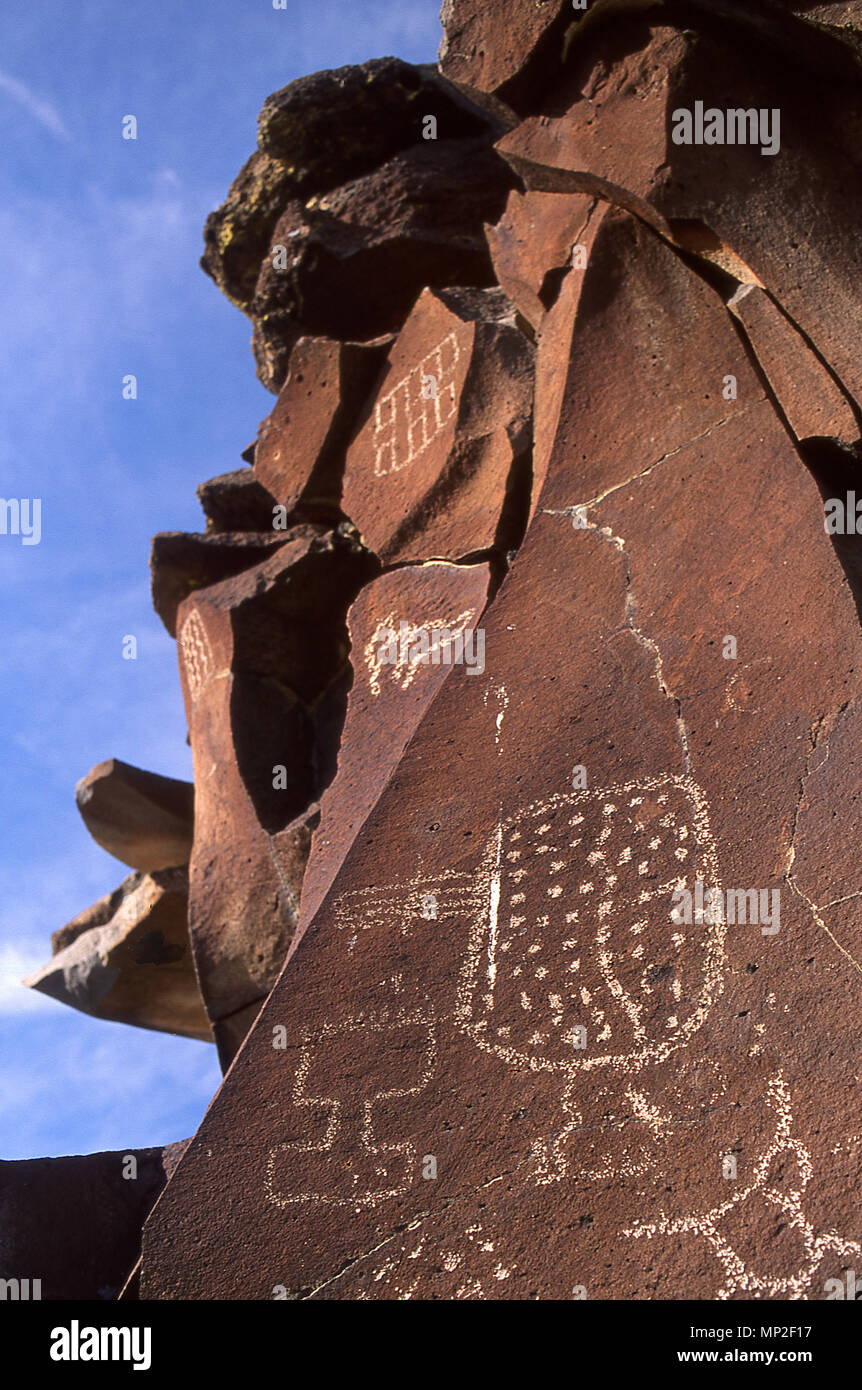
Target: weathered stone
810, 398
135, 968
301, 445
555, 337
258, 654
181, 563
230, 1032
487, 47
441, 468
435, 1103
236, 501
414, 222
535, 243
74, 1224
323, 130
393, 686
96, 915
331, 127
141, 818
780, 215
237, 235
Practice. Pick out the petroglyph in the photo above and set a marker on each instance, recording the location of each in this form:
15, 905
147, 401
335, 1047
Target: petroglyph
571, 887
354, 1166
402, 647
196, 653
412, 414
716, 1226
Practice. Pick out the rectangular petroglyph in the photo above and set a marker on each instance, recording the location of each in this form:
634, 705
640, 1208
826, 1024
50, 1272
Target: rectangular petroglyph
413, 413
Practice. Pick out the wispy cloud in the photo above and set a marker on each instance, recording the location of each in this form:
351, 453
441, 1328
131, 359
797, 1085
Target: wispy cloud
41, 110
15, 963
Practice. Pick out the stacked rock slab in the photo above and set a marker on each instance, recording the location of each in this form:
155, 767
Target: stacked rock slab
434, 1103
262, 660
129, 959
510, 1039
72, 1226
523, 678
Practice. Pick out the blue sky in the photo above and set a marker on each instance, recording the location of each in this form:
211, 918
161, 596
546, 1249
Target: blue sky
99, 243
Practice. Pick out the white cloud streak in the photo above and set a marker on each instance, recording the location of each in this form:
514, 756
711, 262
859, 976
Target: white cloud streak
41, 110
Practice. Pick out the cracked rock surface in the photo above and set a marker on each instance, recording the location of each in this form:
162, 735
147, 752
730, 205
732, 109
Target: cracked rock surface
523, 678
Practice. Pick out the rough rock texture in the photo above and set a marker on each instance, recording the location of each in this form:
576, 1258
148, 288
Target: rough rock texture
355, 186
415, 221
441, 467
236, 501
74, 1224
392, 689
141, 818
262, 656
453, 1036
135, 966
302, 445
532, 967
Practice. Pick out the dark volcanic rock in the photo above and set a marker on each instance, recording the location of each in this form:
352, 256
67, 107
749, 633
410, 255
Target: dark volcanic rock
236, 501
415, 221
258, 655
331, 127
74, 1224
555, 1042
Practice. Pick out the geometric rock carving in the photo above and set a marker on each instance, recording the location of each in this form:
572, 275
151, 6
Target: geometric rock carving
441, 467
603, 866
139, 817
566, 983
354, 1165
717, 1226
393, 696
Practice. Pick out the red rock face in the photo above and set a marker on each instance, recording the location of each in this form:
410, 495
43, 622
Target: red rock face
552, 1038
441, 467
523, 678
408, 630
301, 446
258, 655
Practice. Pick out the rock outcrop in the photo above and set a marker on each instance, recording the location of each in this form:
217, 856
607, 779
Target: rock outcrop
523, 675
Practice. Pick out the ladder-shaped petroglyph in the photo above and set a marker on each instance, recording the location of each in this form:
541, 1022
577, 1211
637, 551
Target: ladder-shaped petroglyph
410, 416
348, 1072
400, 908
